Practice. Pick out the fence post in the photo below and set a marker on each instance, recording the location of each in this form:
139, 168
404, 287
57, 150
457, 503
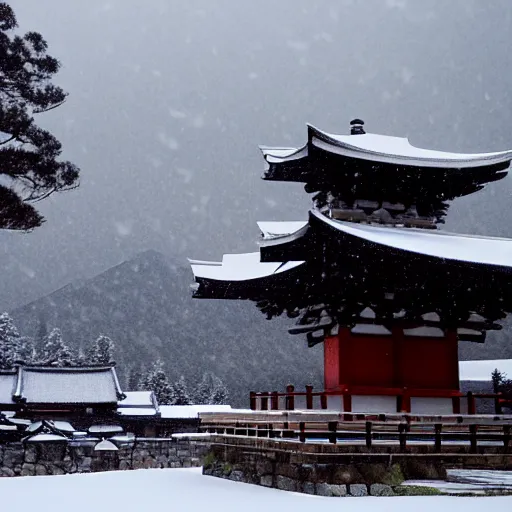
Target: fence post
402, 436
497, 405
506, 437
309, 397
456, 404
264, 401
437, 440
368, 434
290, 399
302, 432
471, 403
274, 401
332, 427
323, 401
472, 438
252, 401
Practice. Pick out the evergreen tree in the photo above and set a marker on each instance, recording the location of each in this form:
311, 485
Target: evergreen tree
210, 390
156, 380
28, 154
180, 395
497, 379
220, 393
134, 378
9, 341
102, 350
55, 352
25, 352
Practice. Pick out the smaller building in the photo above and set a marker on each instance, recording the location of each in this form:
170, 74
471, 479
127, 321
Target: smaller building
139, 413
82, 395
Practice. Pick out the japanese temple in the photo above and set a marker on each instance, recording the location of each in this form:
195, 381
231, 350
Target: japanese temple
369, 275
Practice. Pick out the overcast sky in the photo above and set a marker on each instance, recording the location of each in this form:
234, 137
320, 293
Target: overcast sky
168, 102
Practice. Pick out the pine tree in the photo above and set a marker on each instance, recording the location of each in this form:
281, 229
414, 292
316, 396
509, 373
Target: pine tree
180, 395
210, 390
55, 352
156, 380
134, 378
497, 379
102, 350
9, 341
25, 352
220, 393
28, 154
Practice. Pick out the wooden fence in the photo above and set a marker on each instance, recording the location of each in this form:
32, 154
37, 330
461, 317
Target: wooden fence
437, 432
273, 401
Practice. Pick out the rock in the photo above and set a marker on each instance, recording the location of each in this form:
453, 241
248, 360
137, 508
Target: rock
338, 490
324, 489
84, 465
41, 470
6, 472
236, 476
266, 480
381, 490
358, 490
286, 484
124, 465
308, 488
30, 454
28, 469
187, 463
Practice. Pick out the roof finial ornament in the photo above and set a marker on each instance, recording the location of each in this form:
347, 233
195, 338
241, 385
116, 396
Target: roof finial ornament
356, 127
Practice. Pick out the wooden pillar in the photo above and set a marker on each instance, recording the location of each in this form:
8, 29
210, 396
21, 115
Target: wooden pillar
331, 362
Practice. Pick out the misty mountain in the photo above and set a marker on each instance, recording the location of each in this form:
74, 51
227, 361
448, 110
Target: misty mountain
145, 306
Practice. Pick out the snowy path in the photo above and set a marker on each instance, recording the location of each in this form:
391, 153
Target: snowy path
188, 490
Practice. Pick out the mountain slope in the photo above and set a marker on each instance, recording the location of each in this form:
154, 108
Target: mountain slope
145, 305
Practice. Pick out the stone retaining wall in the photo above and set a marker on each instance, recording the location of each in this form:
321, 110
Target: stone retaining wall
335, 470
17, 459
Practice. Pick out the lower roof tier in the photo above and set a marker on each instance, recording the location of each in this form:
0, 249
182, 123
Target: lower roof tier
348, 267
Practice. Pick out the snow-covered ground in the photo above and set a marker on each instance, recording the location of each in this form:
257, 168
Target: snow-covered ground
190, 491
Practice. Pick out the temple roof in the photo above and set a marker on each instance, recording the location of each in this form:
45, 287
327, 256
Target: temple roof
379, 148
240, 267
438, 244
50, 385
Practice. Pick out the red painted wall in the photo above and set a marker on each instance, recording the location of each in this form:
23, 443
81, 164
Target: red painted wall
391, 361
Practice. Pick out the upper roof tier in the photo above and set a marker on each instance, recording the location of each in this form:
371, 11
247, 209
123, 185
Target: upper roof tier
294, 164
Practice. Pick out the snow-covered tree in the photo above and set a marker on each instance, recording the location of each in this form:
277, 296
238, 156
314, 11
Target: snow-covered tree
9, 341
180, 394
210, 390
102, 350
55, 352
25, 351
156, 380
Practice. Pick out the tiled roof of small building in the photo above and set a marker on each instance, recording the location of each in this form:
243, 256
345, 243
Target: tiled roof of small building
7, 386
49, 385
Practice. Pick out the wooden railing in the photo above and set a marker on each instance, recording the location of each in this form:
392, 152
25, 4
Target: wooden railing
270, 401
382, 432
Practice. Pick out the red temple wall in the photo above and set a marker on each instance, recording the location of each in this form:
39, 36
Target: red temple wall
394, 361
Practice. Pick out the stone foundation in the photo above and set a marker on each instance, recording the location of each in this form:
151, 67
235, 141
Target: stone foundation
17, 459
336, 470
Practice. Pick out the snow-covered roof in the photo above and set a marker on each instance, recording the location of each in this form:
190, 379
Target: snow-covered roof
7, 386
482, 370
241, 267
473, 249
106, 446
190, 411
67, 385
46, 438
385, 149
101, 429
137, 399
137, 411
272, 230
